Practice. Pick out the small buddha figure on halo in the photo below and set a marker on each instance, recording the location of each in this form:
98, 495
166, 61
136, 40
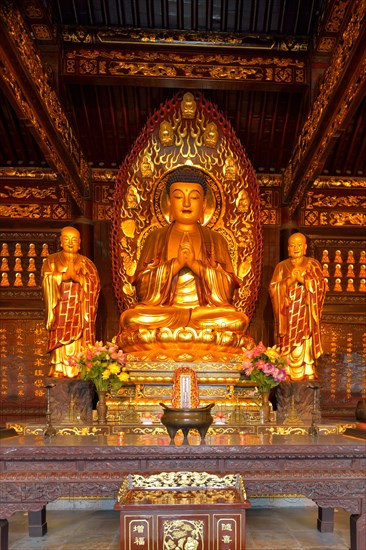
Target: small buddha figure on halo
350, 271
31, 265
32, 251
325, 270
4, 264
18, 280
146, 167
230, 169
133, 198
350, 286
326, 284
362, 258
243, 201
184, 278
350, 257
166, 134
338, 257
31, 280
362, 287
325, 257
44, 252
297, 291
338, 271
4, 280
18, 251
188, 106
362, 272
337, 285
4, 250
210, 135
18, 265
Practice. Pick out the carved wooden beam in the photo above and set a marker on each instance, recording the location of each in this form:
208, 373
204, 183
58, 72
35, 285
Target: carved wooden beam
28, 87
329, 26
116, 36
154, 65
341, 89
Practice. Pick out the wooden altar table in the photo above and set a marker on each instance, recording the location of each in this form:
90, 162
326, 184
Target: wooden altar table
330, 470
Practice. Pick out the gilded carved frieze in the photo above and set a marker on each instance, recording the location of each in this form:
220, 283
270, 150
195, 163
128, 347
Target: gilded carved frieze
329, 25
27, 173
336, 16
332, 201
347, 183
85, 62
269, 180
30, 200
324, 218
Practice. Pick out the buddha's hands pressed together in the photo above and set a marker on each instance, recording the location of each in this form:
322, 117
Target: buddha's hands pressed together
186, 254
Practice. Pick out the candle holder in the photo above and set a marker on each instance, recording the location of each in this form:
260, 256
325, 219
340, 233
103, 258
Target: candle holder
49, 431
314, 429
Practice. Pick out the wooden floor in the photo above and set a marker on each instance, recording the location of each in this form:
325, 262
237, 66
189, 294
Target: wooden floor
292, 528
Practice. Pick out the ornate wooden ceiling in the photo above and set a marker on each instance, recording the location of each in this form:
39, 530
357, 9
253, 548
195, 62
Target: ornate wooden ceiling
79, 78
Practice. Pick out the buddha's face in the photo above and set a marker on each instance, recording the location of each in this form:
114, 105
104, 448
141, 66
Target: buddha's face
187, 202
70, 240
296, 246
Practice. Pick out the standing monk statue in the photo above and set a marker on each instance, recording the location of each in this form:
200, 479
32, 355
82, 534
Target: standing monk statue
71, 286
185, 280
297, 291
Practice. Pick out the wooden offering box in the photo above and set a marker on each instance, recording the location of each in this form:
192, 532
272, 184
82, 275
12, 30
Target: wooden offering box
190, 510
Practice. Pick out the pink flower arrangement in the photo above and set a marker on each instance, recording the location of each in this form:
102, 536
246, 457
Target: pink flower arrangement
103, 364
264, 366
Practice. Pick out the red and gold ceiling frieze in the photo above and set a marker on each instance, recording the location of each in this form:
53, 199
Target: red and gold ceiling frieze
32, 194
269, 180
35, 211
332, 181
316, 137
329, 26
95, 62
31, 92
20, 173
334, 208
184, 39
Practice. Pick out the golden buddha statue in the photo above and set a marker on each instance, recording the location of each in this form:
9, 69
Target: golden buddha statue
185, 282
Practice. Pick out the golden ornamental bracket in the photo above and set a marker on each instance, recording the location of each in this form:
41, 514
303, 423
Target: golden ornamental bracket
28, 88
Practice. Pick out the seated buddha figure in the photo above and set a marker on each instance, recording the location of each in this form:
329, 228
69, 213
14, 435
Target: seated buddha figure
185, 280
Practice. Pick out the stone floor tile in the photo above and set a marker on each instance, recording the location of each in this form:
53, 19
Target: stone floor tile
267, 529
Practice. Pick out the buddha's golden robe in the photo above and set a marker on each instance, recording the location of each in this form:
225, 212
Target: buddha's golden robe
185, 299
297, 310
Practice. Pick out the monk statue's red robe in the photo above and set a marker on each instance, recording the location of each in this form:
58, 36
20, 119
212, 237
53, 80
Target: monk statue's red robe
297, 309
71, 309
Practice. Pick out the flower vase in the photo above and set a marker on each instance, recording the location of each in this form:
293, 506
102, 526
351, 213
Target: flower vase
102, 407
265, 408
